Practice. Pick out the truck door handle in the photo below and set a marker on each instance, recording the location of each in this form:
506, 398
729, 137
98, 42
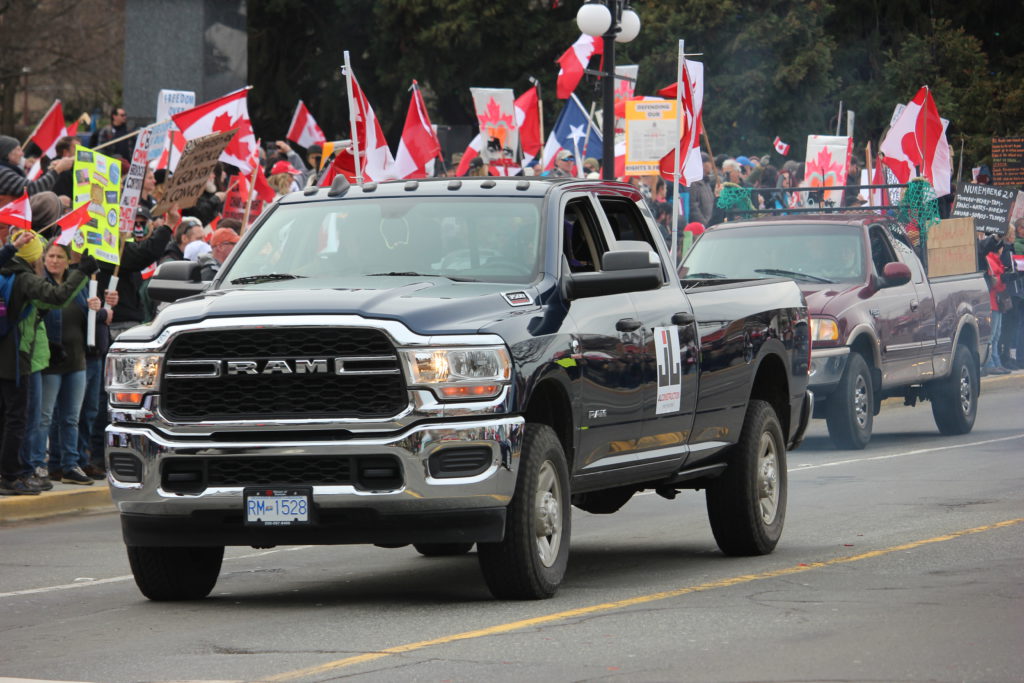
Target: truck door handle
914, 303
682, 318
627, 325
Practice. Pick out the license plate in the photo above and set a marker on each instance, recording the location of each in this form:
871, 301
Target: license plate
277, 507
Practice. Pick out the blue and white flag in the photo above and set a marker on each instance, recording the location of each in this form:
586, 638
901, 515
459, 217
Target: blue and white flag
570, 133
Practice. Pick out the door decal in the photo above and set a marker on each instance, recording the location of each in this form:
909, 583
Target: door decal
670, 369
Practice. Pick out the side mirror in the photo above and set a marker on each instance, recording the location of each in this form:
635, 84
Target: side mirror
175, 280
628, 270
894, 275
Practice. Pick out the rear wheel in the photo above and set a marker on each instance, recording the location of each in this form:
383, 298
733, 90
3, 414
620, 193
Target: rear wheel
530, 562
442, 549
175, 573
850, 410
747, 504
955, 398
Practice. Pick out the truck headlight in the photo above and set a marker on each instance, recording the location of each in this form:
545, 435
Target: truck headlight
130, 376
454, 373
824, 330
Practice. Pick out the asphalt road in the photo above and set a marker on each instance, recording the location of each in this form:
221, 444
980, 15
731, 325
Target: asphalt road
904, 561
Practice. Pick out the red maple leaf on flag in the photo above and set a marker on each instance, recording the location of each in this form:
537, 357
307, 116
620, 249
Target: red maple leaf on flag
821, 172
494, 123
623, 89
224, 122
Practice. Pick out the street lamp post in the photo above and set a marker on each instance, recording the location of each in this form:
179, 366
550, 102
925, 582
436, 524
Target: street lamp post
615, 22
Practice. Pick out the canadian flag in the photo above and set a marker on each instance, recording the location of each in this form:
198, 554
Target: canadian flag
527, 108
916, 143
45, 136
70, 223
219, 115
419, 146
473, 149
691, 77
375, 161
574, 60
17, 213
303, 130
780, 146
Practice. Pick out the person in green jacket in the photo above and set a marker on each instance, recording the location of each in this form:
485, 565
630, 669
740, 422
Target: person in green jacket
25, 349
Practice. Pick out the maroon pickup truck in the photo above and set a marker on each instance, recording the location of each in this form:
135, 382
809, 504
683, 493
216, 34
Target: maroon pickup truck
880, 327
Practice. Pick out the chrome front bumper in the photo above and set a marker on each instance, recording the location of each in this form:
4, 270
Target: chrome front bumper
422, 508
827, 367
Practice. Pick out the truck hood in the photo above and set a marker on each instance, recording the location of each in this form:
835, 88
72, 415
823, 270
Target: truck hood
426, 306
829, 299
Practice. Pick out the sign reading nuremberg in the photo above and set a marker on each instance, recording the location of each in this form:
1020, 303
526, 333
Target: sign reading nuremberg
197, 162
987, 204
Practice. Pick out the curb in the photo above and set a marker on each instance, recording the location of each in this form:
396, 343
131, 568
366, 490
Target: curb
68, 499
59, 501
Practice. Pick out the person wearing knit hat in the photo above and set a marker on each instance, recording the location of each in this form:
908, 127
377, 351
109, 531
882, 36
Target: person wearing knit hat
13, 181
46, 209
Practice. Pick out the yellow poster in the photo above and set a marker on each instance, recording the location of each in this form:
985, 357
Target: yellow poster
651, 133
98, 181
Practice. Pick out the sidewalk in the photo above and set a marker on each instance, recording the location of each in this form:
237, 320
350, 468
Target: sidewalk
71, 498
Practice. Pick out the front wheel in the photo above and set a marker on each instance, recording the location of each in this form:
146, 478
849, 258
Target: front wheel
955, 398
850, 409
168, 574
747, 504
530, 562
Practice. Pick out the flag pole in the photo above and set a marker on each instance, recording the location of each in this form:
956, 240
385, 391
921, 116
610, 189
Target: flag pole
352, 120
540, 116
586, 140
248, 199
839, 116
678, 162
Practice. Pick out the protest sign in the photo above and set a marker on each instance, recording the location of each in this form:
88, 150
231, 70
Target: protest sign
650, 134
97, 181
133, 181
828, 157
234, 200
987, 204
168, 103
495, 111
197, 162
1008, 161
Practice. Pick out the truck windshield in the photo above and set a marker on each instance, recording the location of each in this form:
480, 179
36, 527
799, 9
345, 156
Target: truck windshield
805, 253
463, 239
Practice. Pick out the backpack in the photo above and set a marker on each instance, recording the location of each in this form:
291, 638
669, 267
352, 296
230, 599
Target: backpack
6, 323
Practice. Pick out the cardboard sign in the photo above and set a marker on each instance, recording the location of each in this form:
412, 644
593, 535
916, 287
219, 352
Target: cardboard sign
1008, 161
133, 181
952, 248
987, 204
650, 134
97, 181
197, 162
168, 103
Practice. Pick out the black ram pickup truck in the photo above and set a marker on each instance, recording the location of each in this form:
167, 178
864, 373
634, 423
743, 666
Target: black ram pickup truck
445, 363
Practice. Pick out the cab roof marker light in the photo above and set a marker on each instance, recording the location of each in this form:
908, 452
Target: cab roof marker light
339, 187
523, 185
487, 184
370, 186
454, 184
311, 190
412, 185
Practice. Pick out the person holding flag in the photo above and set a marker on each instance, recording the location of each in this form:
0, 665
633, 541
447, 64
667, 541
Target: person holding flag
13, 180
25, 348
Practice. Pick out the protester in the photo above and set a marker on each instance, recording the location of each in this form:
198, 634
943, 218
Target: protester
64, 379
188, 231
22, 349
294, 162
13, 181
64, 187
117, 130
565, 165
989, 249
222, 242
702, 194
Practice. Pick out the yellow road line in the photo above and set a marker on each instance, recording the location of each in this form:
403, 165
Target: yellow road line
619, 604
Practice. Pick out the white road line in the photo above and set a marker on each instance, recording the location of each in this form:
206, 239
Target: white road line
128, 577
803, 468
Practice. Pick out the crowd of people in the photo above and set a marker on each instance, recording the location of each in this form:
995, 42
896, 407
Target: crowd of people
52, 401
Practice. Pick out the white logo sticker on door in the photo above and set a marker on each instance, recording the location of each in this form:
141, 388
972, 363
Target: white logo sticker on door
670, 369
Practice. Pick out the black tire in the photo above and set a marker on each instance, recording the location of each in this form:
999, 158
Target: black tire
955, 398
168, 574
747, 504
530, 562
442, 549
850, 410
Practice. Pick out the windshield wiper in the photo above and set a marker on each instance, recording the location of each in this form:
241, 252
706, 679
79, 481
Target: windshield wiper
793, 274
266, 277
410, 273
704, 276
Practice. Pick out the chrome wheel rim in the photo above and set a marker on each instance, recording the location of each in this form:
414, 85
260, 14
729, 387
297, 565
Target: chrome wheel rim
768, 479
966, 395
548, 514
860, 401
